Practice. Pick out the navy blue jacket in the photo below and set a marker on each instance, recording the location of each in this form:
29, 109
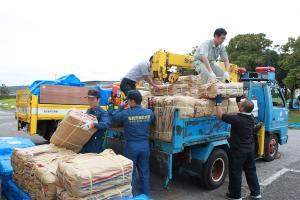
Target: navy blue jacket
136, 122
103, 120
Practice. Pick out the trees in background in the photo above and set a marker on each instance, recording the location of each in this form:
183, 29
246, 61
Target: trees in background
252, 50
290, 64
4, 92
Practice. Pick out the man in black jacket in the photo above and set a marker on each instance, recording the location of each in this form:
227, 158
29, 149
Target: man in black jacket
241, 152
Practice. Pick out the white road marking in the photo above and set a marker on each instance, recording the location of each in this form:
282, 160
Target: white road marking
276, 176
295, 170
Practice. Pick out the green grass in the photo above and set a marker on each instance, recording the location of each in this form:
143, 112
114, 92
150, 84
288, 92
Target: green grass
8, 103
294, 116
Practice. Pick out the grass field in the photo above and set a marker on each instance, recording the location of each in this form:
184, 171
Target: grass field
294, 116
8, 104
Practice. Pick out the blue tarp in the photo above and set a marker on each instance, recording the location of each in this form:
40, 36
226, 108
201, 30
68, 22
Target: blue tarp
70, 80
294, 125
11, 191
6, 169
139, 197
7, 144
104, 95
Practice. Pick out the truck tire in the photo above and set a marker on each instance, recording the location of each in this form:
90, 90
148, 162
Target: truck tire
271, 147
215, 169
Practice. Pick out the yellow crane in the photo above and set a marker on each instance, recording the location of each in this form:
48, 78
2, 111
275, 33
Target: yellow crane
164, 60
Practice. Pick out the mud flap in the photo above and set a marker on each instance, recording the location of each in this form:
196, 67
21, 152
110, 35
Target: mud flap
161, 164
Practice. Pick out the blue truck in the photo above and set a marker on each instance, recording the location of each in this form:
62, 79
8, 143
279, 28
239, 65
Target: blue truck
199, 145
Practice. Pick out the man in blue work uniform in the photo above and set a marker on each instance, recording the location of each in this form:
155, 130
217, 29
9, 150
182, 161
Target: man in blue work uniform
136, 121
94, 145
241, 152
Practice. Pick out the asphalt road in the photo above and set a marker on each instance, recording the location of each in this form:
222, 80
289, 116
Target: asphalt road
277, 184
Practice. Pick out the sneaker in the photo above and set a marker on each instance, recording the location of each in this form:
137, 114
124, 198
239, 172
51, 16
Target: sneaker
230, 197
255, 197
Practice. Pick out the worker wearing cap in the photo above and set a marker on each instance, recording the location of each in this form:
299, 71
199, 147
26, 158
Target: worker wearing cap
141, 71
94, 145
136, 121
242, 149
207, 54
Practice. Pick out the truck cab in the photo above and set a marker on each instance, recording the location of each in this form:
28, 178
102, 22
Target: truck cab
262, 88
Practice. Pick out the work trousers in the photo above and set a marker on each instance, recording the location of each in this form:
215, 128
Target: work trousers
205, 76
139, 153
127, 85
238, 162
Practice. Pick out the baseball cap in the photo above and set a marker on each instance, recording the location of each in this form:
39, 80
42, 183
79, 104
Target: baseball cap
93, 94
135, 95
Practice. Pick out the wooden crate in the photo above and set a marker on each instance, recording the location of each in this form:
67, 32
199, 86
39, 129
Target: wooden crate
60, 94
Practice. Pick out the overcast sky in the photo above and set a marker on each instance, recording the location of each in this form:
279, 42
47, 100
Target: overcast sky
101, 40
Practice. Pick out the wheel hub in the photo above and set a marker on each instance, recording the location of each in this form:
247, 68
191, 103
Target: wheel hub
272, 147
218, 169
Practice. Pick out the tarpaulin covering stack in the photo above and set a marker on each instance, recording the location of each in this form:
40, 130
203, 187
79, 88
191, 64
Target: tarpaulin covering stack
95, 176
7, 144
69, 134
139, 197
11, 191
35, 169
105, 93
70, 80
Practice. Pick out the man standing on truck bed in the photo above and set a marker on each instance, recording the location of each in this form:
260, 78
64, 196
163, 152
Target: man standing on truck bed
94, 145
136, 121
242, 149
207, 54
141, 71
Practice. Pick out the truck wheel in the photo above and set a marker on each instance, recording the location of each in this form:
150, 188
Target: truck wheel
271, 148
215, 169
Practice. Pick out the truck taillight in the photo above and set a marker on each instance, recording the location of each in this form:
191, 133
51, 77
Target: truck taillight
264, 69
242, 70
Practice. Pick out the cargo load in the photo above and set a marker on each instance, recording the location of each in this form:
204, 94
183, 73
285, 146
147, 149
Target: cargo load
226, 90
35, 169
123, 191
69, 134
171, 90
191, 80
188, 107
91, 174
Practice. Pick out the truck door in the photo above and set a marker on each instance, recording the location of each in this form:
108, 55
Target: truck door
279, 113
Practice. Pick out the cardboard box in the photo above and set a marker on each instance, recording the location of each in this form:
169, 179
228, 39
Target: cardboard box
69, 134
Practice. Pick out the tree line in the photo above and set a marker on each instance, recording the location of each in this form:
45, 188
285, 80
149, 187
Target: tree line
252, 50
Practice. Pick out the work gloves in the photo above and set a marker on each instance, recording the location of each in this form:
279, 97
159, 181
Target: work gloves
87, 126
226, 75
218, 100
212, 75
124, 104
